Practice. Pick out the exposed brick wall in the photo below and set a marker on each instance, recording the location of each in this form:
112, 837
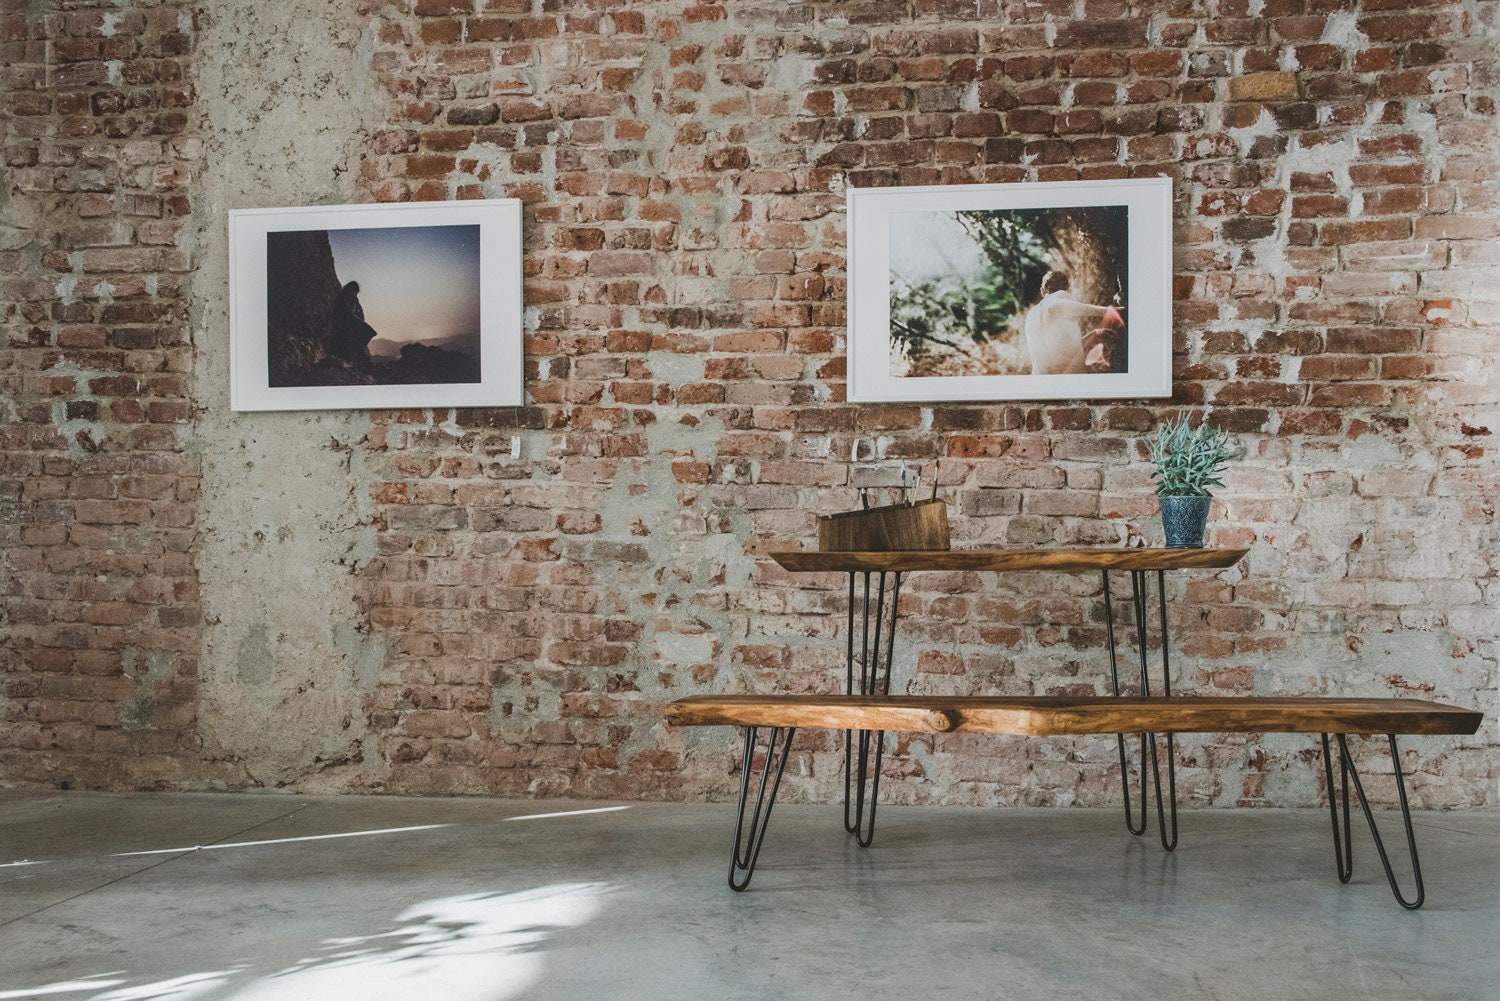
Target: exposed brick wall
1335, 222
99, 478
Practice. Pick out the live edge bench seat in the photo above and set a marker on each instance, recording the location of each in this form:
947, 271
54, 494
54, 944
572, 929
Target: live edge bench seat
1049, 715
1064, 715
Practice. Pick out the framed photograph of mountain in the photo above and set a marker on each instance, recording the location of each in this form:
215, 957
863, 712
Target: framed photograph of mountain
376, 306
1042, 291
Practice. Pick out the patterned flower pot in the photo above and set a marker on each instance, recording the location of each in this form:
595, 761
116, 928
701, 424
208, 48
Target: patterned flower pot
1183, 520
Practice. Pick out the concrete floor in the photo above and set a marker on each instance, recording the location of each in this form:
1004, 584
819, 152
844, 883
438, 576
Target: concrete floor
481, 900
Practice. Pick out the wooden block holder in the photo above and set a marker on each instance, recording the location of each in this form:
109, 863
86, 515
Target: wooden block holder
896, 527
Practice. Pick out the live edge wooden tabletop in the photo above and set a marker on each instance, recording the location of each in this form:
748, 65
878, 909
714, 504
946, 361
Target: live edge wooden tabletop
1013, 559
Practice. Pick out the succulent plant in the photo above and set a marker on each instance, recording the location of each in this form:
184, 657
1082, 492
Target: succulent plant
1188, 459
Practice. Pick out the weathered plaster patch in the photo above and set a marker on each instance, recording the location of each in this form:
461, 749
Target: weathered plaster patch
253, 662
286, 514
1341, 28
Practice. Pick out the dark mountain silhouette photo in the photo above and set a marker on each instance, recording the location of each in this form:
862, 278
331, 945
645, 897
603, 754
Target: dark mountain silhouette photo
389, 306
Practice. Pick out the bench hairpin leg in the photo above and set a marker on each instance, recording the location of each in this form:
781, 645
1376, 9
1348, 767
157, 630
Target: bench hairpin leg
864, 822
1114, 677
1345, 859
747, 850
1169, 842
1343, 854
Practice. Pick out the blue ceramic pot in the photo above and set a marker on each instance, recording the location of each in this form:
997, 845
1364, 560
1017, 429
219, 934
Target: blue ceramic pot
1183, 520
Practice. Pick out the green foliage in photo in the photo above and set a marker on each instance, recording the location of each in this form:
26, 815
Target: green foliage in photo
963, 309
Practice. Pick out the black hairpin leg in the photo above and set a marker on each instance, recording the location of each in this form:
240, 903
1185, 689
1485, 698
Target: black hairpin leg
1140, 605
1138, 586
1343, 854
747, 850
1131, 824
1168, 841
861, 782
849, 690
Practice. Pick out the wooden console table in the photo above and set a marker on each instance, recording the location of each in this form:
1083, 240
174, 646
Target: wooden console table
874, 652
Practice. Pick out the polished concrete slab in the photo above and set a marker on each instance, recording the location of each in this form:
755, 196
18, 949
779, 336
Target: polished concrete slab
277, 898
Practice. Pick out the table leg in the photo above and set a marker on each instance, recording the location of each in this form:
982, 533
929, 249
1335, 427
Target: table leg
1131, 824
1140, 593
861, 782
1140, 606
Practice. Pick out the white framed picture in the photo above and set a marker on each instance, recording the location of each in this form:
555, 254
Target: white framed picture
376, 306
1038, 291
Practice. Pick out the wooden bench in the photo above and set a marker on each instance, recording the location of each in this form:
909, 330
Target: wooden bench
1064, 715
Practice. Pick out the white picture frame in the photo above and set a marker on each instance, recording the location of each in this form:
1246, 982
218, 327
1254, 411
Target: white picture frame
436, 302
926, 322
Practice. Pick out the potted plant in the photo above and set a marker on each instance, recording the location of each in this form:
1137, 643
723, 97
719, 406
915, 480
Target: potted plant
1188, 461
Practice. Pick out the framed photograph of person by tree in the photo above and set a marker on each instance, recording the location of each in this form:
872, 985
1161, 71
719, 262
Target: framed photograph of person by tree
1040, 291
376, 306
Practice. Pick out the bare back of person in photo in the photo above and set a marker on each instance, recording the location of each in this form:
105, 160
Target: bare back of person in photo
1053, 337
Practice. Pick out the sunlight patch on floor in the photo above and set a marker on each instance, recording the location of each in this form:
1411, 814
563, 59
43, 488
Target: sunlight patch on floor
64, 987
475, 947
